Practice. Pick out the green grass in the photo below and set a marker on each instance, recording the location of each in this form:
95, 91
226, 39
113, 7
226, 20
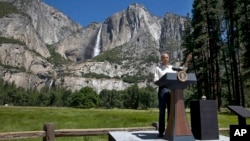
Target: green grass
32, 119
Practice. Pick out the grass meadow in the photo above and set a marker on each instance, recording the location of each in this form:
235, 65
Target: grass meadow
13, 119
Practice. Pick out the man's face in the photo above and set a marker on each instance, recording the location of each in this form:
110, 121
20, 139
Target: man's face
165, 59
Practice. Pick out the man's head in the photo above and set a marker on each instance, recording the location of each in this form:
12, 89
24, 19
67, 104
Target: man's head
164, 59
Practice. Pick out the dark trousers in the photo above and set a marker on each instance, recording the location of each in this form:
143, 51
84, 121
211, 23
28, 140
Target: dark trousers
164, 101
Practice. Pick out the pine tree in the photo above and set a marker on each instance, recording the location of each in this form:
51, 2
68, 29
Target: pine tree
232, 16
206, 23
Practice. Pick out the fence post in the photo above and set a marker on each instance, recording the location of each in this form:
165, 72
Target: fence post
49, 129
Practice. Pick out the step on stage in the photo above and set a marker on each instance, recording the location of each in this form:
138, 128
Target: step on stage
145, 136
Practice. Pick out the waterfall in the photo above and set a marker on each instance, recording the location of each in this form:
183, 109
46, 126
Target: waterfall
51, 83
97, 43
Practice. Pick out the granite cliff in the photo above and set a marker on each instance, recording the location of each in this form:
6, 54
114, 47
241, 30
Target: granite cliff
40, 46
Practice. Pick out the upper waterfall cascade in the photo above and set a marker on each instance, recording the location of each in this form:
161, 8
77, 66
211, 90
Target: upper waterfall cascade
97, 49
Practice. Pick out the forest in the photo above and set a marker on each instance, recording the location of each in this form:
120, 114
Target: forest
132, 97
218, 35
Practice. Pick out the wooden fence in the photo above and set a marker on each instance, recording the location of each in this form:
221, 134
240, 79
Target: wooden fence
49, 133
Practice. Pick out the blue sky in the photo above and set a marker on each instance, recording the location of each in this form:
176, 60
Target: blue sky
87, 11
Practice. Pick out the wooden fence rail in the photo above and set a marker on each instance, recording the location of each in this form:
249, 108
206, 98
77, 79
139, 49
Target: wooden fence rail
50, 133
22, 135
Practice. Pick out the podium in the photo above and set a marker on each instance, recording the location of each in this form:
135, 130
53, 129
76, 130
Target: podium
177, 127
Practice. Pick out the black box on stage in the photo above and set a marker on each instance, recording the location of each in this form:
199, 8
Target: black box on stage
204, 120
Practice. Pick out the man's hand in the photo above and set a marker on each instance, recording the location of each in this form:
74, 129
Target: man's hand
188, 59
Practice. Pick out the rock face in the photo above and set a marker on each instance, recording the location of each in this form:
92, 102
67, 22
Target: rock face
79, 46
110, 55
74, 83
50, 24
126, 25
19, 27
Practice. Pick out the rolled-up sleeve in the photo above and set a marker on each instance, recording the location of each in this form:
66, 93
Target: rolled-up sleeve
156, 75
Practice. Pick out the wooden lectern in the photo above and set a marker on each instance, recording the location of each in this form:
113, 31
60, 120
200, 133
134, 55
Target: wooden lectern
177, 127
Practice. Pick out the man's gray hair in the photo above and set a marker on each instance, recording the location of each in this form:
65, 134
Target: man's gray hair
164, 53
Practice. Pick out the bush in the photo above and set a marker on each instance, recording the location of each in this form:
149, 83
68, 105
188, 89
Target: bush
152, 58
110, 99
137, 78
148, 98
85, 98
95, 75
133, 97
11, 41
112, 56
7, 8
55, 57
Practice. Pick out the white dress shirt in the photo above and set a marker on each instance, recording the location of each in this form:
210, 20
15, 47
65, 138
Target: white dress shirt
162, 70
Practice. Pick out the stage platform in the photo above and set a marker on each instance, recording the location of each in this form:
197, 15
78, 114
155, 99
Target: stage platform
145, 136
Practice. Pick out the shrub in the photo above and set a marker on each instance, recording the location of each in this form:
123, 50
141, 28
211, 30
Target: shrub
110, 99
7, 8
11, 41
85, 98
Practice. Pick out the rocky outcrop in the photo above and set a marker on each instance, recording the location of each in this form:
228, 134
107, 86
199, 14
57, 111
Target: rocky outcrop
171, 35
80, 45
50, 24
105, 68
134, 26
24, 67
25, 80
19, 27
128, 24
102, 55
76, 83
17, 56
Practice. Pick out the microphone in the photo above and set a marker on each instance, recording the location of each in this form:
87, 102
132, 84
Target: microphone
178, 68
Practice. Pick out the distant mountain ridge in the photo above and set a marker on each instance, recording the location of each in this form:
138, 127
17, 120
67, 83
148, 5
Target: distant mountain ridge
41, 46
